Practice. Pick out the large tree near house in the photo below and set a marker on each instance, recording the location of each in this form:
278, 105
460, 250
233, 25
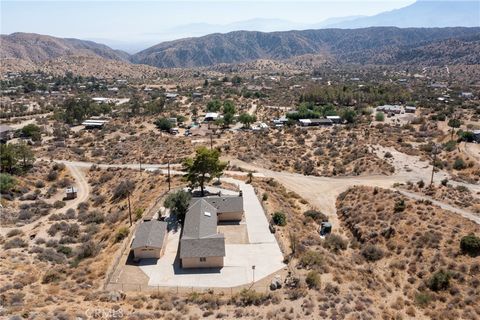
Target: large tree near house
205, 166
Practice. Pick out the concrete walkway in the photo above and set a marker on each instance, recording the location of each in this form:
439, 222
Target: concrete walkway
262, 252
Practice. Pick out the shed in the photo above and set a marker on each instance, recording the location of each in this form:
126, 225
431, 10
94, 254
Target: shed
149, 240
70, 193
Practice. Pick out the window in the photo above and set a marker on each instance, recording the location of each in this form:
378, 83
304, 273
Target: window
203, 259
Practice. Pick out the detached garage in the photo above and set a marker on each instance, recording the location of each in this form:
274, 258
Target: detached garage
149, 241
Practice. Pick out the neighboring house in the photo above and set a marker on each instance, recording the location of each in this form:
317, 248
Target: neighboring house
94, 124
211, 116
70, 193
396, 109
171, 96
335, 119
315, 122
410, 109
201, 246
6, 133
149, 240
476, 135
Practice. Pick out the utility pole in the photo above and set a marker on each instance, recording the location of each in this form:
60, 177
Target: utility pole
168, 176
140, 164
253, 274
211, 140
129, 209
434, 150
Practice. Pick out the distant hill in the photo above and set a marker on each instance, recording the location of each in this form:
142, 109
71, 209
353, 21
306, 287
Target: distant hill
38, 48
369, 45
423, 13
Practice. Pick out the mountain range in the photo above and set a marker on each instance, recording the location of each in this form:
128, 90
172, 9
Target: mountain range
371, 45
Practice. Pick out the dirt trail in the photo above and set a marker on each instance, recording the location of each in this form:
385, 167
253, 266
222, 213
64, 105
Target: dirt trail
322, 192
471, 150
39, 227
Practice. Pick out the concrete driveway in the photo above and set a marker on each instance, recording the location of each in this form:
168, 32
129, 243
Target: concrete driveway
262, 251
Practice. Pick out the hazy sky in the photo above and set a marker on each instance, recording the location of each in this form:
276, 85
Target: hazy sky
147, 21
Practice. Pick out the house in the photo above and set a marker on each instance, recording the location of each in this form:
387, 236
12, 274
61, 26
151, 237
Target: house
94, 124
476, 135
70, 193
335, 119
395, 109
6, 133
197, 95
171, 96
149, 240
410, 109
315, 122
229, 208
201, 246
466, 95
211, 116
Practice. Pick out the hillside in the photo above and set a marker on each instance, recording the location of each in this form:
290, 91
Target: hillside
384, 45
40, 48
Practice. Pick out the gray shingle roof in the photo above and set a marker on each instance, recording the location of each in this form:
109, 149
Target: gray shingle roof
150, 234
225, 204
200, 237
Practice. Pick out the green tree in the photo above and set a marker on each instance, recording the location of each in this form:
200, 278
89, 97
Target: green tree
214, 106
247, 119
8, 159
24, 154
178, 203
163, 124
31, 131
205, 166
454, 123
470, 244
349, 115
7, 182
228, 112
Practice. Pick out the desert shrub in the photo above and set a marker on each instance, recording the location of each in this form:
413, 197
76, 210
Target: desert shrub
372, 253
94, 216
399, 206
14, 232
51, 275
279, 219
59, 204
52, 175
313, 280
70, 214
335, 243
87, 250
379, 116
444, 182
122, 190
420, 184
388, 155
470, 244
265, 196
65, 250
121, 234
39, 184
450, 146
248, 297
310, 259
316, 215
459, 164
440, 280
15, 243
51, 255
422, 299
